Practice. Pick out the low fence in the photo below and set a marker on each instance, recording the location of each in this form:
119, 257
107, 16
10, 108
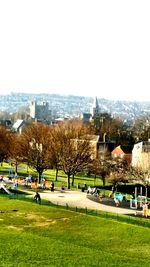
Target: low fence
130, 219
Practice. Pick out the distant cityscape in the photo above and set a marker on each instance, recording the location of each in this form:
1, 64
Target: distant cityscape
73, 106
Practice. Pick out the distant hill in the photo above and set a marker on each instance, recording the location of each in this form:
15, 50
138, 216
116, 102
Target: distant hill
70, 106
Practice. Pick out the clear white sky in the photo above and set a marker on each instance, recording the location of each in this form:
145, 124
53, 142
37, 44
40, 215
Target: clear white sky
81, 47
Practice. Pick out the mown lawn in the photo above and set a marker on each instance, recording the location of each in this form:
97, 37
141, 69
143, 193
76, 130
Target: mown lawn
38, 235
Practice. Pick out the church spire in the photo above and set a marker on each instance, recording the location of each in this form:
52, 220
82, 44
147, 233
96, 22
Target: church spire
95, 107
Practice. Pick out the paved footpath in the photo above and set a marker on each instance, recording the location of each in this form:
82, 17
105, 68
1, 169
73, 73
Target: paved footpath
79, 199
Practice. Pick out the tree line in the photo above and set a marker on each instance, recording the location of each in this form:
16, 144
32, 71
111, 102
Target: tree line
68, 146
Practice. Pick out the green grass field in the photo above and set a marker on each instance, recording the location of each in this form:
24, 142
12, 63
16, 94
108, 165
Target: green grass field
40, 235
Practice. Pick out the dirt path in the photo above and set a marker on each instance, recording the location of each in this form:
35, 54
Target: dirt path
79, 199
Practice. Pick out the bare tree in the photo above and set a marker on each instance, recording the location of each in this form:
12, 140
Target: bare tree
5, 142
15, 156
119, 171
101, 165
36, 148
73, 146
55, 145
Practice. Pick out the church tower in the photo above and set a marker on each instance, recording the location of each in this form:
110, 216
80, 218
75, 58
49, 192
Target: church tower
95, 110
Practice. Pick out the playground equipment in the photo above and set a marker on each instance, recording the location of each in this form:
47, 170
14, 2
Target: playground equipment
118, 197
133, 204
138, 200
2, 186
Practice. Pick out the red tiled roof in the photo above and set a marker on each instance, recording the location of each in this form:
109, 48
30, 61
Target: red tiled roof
118, 151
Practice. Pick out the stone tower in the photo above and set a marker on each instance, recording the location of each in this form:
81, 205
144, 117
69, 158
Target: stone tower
39, 111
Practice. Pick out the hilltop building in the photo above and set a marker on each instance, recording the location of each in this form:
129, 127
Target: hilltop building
39, 112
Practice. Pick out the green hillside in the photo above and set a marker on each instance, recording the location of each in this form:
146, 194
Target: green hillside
40, 235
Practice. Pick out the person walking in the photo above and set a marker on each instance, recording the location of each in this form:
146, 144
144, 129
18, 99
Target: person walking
44, 183
37, 198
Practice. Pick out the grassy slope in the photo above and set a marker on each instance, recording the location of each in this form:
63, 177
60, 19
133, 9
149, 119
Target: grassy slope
47, 236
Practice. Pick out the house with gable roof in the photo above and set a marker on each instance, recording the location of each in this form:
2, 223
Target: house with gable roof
122, 152
18, 126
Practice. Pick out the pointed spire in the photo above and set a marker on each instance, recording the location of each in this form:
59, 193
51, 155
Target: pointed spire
95, 104
95, 107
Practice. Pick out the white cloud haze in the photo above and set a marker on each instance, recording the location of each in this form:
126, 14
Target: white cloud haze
92, 48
